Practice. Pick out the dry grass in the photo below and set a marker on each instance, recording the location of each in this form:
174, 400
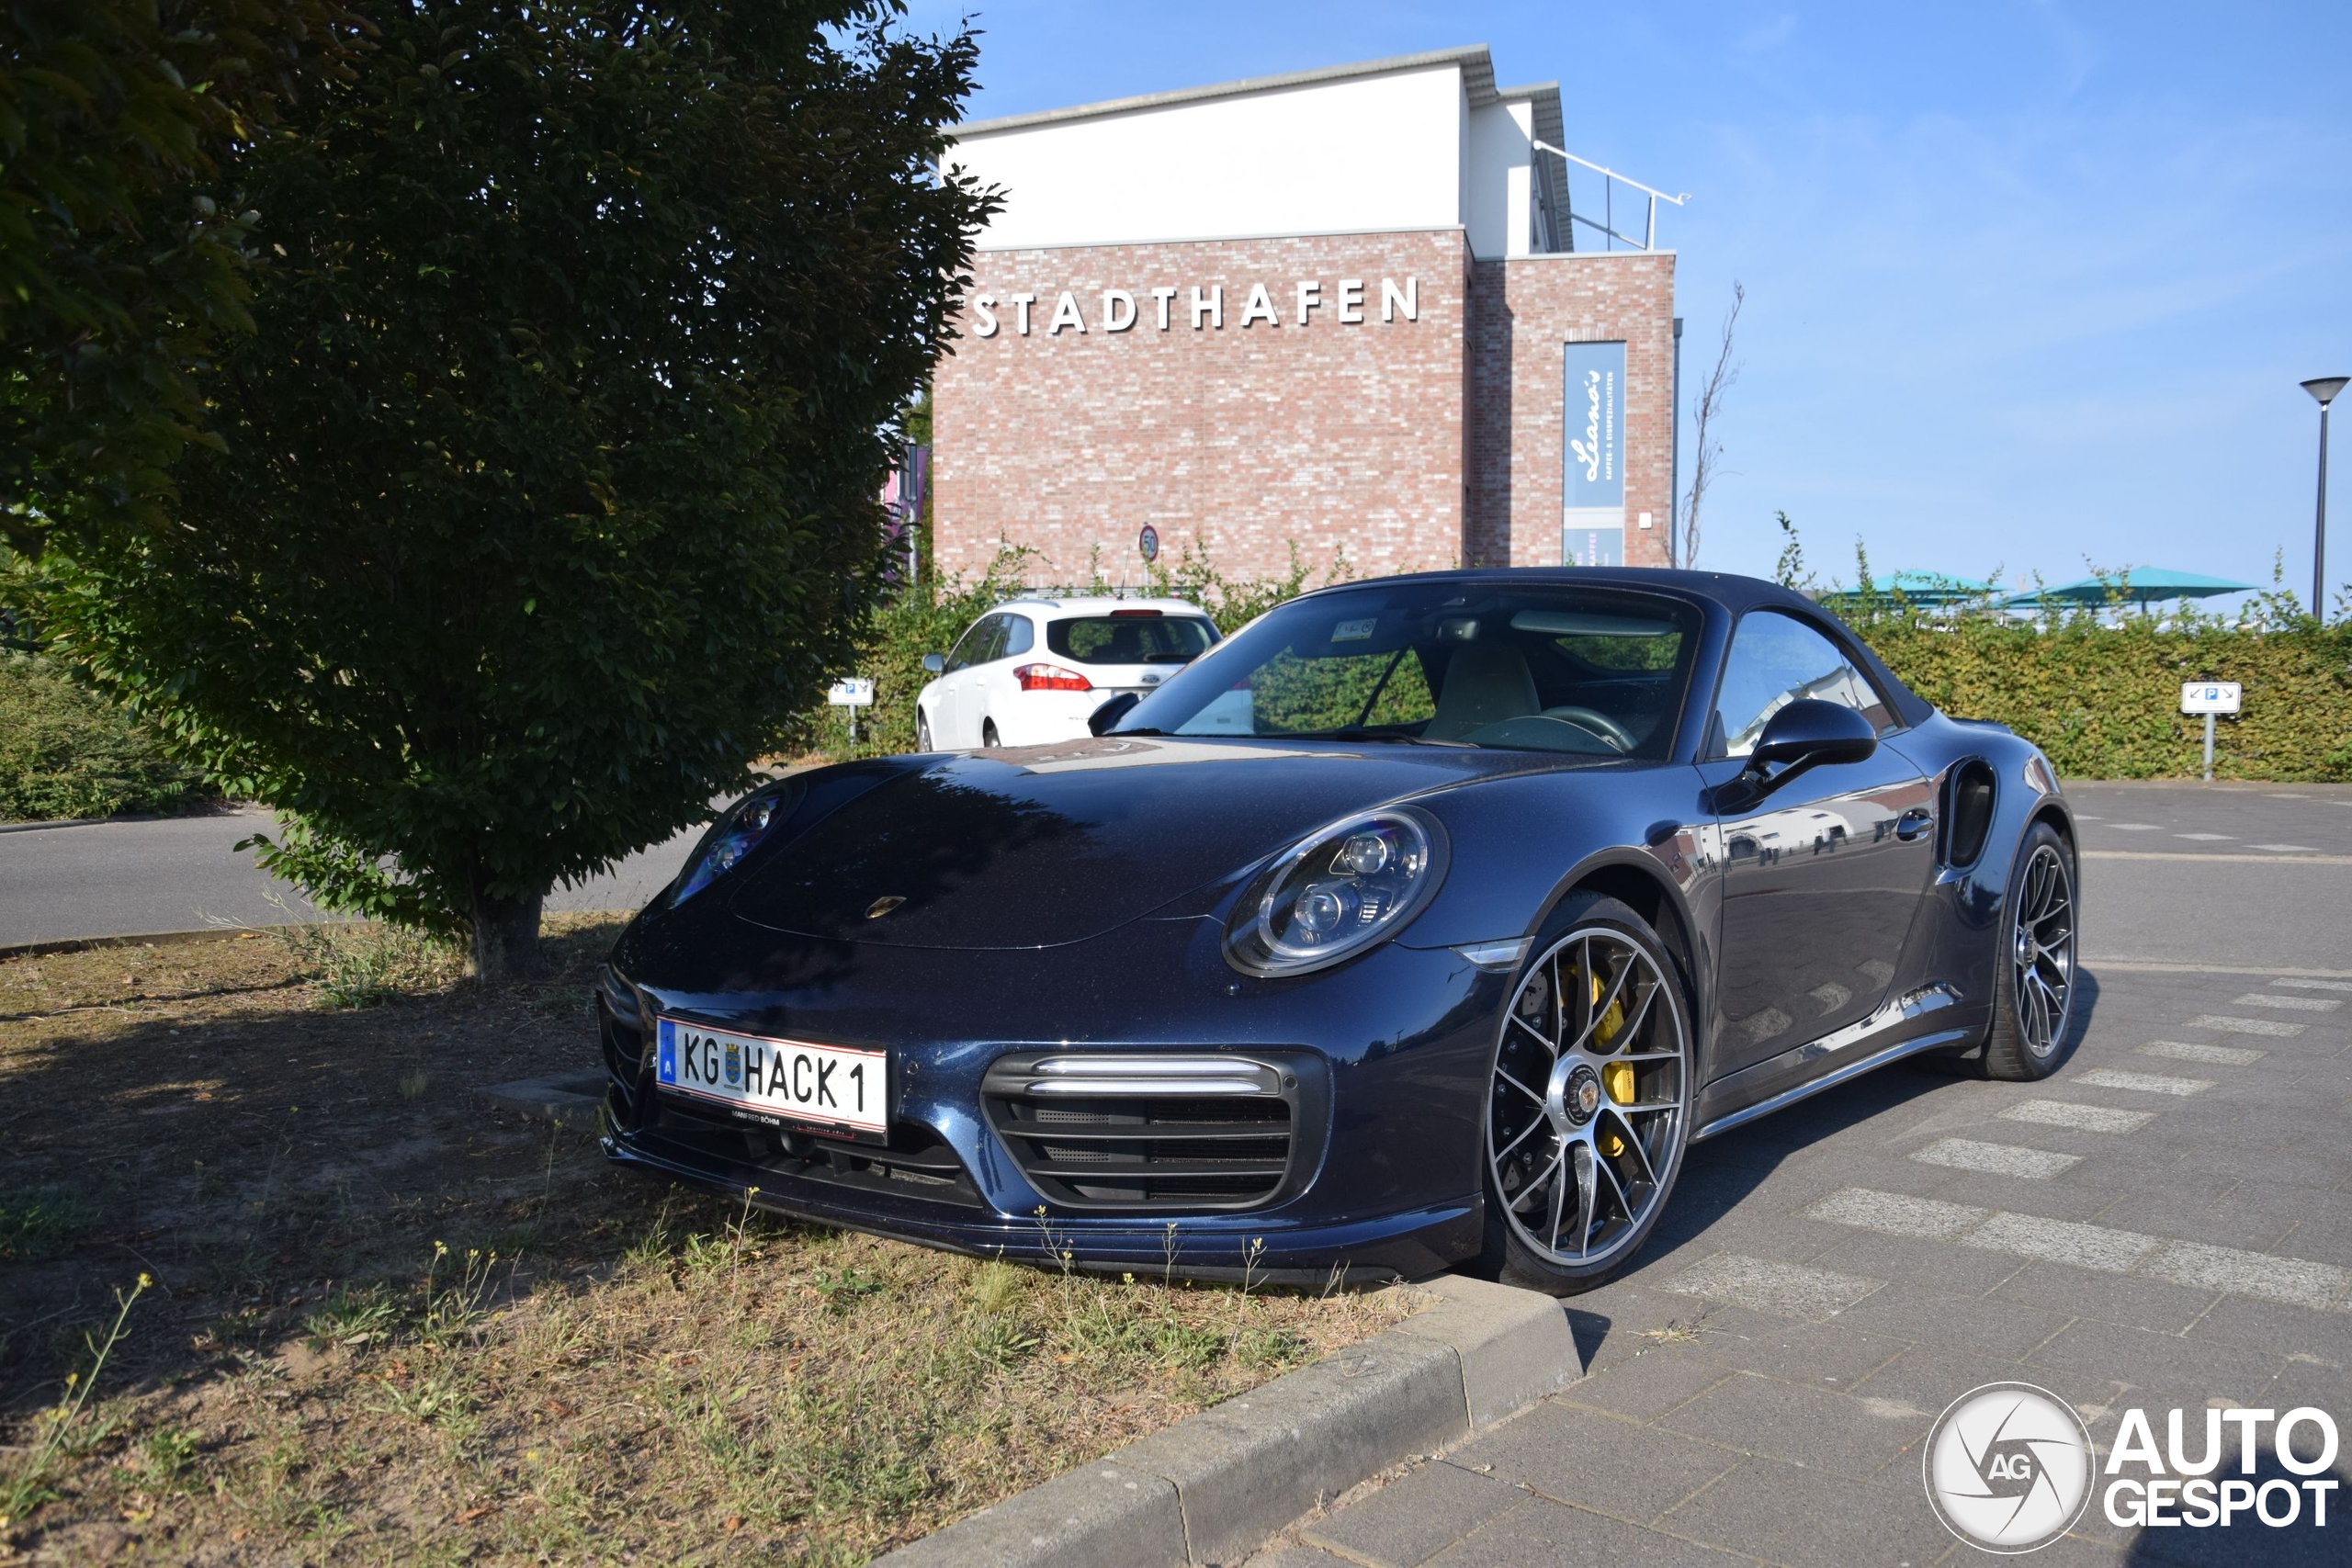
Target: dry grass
389, 1324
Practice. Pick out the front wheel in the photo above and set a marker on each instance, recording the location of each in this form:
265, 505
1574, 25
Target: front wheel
1588, 1110
2033, 990
922, 732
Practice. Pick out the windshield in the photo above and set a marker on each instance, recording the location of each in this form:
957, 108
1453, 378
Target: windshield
1541, 668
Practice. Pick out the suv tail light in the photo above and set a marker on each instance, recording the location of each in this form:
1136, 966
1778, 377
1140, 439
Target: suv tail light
1050, 678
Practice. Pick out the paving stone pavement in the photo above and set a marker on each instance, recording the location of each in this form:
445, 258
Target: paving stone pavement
2166, 1223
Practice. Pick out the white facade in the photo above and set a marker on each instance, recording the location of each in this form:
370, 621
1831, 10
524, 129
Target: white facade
1420, 141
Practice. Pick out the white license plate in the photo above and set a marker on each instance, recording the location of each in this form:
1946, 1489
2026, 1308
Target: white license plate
791, 1080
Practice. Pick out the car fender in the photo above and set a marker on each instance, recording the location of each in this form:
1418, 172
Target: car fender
1604, 826
1968, 902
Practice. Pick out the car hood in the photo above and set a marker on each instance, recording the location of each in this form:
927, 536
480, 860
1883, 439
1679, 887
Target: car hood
1038, 846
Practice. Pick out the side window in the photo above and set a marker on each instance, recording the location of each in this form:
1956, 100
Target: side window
1776, 659
972, 648
1018, 637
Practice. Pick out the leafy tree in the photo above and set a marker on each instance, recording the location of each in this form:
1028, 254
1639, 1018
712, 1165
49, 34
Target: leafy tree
123, 251
549, 488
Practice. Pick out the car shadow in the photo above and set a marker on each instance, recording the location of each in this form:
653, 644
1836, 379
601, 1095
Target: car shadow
2249, 1540
1720, 1174
1724, 1170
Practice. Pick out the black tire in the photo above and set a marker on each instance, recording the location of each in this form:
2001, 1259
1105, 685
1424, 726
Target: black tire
922, 732
2033, 962
988, 734
1631, 1156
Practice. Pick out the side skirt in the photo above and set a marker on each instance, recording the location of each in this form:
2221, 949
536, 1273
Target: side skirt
1895, 1016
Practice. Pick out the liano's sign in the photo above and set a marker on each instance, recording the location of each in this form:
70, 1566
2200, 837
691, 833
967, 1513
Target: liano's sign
1592, 479
1349, 302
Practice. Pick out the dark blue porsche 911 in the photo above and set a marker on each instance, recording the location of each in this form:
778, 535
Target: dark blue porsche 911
1424, 922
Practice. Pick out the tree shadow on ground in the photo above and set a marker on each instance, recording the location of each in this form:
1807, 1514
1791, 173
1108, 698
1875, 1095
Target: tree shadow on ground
251, 1155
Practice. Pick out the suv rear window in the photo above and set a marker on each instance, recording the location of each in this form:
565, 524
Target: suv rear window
1131, 639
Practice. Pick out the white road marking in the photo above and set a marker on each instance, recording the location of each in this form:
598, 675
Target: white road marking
1897, 1213
2062, 1241
2083, 1118
2222, 857
2137, 827
1998, 1159
2218, 1055
2245, 1026
2295, 1280
2182, 967
2303, 983
2295, 1004
2298, 1281
2287, 849
2144, 1083
1764, 1284
2208, 838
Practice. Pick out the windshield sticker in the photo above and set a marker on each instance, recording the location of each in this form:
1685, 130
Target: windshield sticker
1353, 631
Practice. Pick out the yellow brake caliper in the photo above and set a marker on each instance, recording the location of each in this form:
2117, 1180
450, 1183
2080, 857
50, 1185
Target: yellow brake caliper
1616, 1078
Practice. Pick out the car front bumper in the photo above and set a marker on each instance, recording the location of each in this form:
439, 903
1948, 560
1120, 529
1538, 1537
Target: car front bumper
1393, 1049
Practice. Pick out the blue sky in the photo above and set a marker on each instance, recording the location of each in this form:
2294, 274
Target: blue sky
2027, 283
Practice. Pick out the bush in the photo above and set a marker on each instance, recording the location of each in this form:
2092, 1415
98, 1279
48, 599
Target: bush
66, 752
2103, 699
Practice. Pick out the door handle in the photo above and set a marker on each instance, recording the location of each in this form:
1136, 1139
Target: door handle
1914, 822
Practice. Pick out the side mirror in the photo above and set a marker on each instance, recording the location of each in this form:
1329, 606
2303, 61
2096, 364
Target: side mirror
1110, 713
933, 664
1806, 734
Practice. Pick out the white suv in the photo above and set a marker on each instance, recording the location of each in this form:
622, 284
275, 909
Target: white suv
1032, 671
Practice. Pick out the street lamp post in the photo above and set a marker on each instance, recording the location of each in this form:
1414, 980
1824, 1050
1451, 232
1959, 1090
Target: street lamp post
2325, 388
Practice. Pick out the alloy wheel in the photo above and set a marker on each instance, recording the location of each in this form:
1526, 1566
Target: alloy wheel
2043, 950
1590, 1089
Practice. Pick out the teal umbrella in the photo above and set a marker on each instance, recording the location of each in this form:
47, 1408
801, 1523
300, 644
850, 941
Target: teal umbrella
2149, 586
1921, 588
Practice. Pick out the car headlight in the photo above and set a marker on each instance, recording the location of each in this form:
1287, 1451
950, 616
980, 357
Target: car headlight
735, 835
1338, 892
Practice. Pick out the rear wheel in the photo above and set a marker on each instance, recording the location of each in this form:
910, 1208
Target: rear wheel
987, 733
2033, 994
1587, 1110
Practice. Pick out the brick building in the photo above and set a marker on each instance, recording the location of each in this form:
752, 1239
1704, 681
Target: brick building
1338, 310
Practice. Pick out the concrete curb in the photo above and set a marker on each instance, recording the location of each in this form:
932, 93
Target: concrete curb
1214, 1488
134, 939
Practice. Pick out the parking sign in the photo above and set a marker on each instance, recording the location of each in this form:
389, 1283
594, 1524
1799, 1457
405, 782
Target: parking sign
2209, 696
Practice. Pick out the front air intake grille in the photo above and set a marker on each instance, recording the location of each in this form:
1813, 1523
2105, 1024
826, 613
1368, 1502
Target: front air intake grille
915, 1162
1178, 1134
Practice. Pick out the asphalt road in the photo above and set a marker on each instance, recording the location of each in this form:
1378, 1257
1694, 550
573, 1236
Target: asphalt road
184, 872
2220, 876
2229, 876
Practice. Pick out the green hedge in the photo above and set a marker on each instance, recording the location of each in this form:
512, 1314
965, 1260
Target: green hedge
66, 752
2103, 699
2099, 694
